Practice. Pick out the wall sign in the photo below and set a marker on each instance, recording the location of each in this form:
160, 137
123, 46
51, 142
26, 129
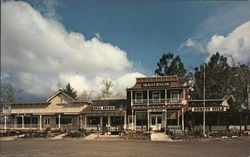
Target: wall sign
156, 84
208, 109
104, 108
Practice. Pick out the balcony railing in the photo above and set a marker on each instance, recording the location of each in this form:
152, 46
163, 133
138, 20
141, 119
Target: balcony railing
158, 101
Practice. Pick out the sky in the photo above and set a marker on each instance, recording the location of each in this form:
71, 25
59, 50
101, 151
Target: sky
46, 44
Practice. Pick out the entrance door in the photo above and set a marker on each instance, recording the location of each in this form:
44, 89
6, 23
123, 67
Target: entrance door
156, 122
104, 123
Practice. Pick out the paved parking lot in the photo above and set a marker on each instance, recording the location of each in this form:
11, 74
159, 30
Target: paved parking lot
125, 148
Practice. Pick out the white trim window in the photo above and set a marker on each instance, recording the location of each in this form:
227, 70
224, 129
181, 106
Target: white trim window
174, 96
47, 121
138, 97
156, 96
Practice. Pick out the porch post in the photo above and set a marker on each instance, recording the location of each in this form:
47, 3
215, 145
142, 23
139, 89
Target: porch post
182, 120
132, 119
59, 121
40, 120
15, 122
166, 115
85, 121
166, 97
5, 122
148, 120
147, 97
109, 121
22, 121
101, 121
178, 122
125, 120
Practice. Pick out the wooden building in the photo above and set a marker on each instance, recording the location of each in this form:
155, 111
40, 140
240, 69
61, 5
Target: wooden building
157, 103
58, 111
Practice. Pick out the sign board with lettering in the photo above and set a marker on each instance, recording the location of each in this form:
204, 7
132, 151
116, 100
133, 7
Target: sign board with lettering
107, 108
156, 84
209, 109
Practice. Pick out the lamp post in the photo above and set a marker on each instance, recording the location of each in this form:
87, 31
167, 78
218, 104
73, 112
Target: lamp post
204, 103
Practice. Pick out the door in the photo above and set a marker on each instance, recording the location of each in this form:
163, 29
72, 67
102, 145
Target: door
104, 123
156, 122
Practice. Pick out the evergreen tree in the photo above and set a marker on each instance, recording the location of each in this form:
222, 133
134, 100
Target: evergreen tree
70, 91
221, 79
170, 65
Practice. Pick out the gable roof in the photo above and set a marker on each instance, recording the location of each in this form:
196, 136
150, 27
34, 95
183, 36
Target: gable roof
58, 92
229, 99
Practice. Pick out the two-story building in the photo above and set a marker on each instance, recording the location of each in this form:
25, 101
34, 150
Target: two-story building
157, 103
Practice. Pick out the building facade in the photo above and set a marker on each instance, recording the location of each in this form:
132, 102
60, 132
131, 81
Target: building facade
58, 111
157, 103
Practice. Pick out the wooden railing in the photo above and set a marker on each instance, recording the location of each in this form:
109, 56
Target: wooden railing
158, 101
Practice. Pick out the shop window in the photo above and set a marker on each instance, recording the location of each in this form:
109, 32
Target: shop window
141, 118
156, 96
64, 120
116, 121
93, 120
174, 96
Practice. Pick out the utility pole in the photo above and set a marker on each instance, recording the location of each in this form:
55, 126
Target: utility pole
204, 104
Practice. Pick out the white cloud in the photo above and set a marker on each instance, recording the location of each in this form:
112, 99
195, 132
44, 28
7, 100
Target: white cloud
40, 55
192, 44
235, 44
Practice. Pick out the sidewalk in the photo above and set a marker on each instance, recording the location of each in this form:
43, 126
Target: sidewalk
91, 136
160, 136
59, 137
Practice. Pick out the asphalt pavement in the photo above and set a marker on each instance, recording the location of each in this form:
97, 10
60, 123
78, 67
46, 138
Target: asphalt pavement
125, 148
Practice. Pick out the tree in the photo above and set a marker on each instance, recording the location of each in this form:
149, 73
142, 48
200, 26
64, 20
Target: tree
221, 79
107, 85
85, 95
70, 91
9, 93
170, 65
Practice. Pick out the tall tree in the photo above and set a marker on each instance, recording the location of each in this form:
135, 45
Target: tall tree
70, 91
170, 65
221, 79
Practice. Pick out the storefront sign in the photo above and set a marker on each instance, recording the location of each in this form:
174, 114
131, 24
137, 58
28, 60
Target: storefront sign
104, 108
155, 84
208, 109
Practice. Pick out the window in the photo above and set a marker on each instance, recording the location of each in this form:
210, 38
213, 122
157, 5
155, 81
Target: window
156, 96
47, 120
93, 120
116, 121
141, 118
138, 97
174, 96
64, 120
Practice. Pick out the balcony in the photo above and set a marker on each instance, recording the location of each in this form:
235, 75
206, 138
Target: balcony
158, 101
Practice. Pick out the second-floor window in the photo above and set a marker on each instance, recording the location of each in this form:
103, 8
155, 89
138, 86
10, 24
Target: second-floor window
156, 96
138, 97
174, 96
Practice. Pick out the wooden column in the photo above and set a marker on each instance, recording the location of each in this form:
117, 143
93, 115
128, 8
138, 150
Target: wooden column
22, 121
182, 119
59, 121
5, 123
40, 119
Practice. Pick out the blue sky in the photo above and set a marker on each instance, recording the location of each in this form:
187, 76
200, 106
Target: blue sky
147, 29
84, 41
